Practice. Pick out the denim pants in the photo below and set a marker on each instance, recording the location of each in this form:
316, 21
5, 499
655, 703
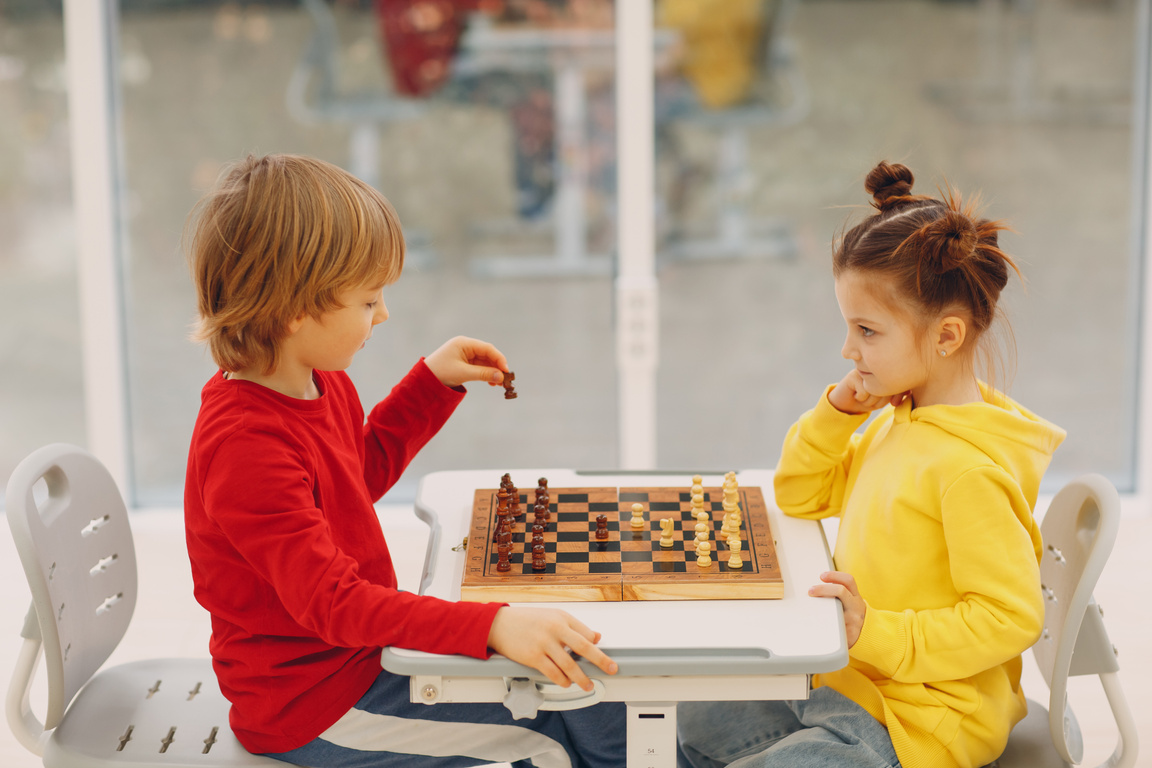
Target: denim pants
824, 731
385, 729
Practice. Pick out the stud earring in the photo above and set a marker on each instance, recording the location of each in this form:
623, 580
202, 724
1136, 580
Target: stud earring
943, 353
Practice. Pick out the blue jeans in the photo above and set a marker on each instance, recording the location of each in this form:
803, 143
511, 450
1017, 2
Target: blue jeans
385, 729
826, 730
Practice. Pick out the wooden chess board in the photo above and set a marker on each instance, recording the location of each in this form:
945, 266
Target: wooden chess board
630, 564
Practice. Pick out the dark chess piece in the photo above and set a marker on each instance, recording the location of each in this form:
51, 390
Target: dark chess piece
601, 527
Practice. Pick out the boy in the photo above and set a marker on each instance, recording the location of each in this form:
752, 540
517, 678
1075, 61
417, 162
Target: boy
289, 256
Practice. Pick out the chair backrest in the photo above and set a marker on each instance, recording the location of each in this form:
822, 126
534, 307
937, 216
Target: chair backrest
1079, 531
72, 534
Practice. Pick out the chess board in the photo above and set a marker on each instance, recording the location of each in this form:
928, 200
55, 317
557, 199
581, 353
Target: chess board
631, 564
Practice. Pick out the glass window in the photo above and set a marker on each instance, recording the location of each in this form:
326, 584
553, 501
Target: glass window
41, 399
1031, 105
463, 146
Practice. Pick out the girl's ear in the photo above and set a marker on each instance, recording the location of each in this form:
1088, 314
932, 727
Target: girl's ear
949, 335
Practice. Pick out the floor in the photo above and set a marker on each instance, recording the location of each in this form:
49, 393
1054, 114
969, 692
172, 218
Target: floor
168, 622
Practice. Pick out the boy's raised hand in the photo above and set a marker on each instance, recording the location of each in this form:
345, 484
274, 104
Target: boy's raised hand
463, 359
542, 638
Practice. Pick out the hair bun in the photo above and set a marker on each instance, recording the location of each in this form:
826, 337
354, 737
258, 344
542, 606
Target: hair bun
950, 240
889, 184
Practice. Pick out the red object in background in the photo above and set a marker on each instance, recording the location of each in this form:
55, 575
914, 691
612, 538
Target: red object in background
420, 38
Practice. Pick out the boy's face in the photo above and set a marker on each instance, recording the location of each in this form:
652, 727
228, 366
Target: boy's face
329, 343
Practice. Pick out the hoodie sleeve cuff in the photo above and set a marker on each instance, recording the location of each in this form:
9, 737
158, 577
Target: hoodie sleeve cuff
883, 641
829, 420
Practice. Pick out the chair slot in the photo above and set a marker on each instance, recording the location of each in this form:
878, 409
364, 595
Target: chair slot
167, 740
153, 690
103, 564
208, 742
127, 737
109, 601
94, 525
192, 693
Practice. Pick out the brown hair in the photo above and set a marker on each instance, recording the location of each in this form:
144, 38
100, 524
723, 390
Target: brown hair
938, 253
277, 238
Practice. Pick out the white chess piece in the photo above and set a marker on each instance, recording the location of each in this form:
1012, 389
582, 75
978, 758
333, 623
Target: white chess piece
702, 550
637, 515
734, 561
666, 532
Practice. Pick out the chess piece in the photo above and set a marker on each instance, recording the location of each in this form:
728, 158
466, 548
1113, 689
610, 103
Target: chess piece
697, 502
637, 515
509, 387
514, 510
539, 560
701, 532
697, 480
540, 514
503, 550
542, 498
666, 539
734, 561
601, 527
702, 550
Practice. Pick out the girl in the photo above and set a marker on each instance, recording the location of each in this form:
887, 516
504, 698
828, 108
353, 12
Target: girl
937, 555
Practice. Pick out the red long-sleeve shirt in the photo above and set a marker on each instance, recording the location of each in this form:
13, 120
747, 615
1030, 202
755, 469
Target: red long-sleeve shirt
288, 555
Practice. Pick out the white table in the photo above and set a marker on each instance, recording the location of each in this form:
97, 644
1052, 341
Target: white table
706, 650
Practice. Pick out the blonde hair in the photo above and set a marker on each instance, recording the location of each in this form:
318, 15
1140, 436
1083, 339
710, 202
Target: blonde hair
280, 237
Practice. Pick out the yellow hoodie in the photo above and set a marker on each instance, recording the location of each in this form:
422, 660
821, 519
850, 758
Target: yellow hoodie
936, 527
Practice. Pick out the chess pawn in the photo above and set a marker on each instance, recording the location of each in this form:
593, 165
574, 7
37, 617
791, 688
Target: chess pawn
702, 550
666, 539
539, 559
697, 480
697, 502
734, 561
701, 532
514, 495
637, 515
601, 527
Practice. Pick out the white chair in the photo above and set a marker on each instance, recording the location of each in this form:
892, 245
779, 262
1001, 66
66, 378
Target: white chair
1079, 530
71, 529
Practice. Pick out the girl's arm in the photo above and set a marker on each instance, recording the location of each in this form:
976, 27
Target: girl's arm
814, 462
993, 560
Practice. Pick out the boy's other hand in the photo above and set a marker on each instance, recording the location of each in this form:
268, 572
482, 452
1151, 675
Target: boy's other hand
463, 359
542, 638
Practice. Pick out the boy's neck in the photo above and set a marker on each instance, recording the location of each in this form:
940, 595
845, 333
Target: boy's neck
298, 384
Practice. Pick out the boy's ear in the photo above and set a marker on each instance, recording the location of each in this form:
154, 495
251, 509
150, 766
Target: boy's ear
951, 331
294, 324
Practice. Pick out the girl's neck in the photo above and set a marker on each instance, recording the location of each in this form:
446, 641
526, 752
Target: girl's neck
960, 389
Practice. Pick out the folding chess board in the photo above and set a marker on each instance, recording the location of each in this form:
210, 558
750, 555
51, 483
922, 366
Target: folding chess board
631, 564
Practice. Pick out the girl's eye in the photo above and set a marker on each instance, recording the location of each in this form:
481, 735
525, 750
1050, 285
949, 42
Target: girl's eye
866, 331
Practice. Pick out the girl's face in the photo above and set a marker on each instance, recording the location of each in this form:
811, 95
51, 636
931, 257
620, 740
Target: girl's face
886, 344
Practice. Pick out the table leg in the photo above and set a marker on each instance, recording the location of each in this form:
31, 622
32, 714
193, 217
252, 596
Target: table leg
652, 735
